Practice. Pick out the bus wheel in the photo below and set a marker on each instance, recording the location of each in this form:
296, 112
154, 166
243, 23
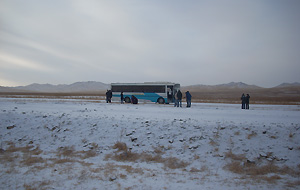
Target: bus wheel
160, 100
127, 100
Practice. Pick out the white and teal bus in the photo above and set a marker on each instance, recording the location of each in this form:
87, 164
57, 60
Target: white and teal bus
155, 92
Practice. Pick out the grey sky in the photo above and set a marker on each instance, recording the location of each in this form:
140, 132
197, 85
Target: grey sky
190, 42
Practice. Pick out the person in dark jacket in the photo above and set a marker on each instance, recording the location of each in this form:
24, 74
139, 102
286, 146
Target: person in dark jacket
134, 100
175, 99
188, 99
179, 98
243, 98
247, 99
107, 96
122, 98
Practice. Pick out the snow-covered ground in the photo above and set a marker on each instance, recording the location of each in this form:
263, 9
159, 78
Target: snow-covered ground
75, 144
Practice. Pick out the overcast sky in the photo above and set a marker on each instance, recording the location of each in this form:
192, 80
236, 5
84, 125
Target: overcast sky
189, 42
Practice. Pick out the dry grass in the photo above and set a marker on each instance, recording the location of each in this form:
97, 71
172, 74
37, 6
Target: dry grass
237, 133
97, 95
239, 165
236, 157
284, 95
174, 163
116, 170
159, 150
196, 157
70, 152
30, 160
127, 156
12, 148
292, 184
235, 167
130, 169
63, 161
88, 154
213, 143
272, 179
194, 170
256, 170
253, 134
203, 168
8, 157
37, 185
124, 154
151, 158
120, 146
27, 154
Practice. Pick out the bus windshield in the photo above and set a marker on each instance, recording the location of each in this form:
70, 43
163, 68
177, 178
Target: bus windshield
154, 92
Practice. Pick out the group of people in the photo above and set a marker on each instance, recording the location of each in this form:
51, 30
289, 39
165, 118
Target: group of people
245, 101
178, 99
133, 99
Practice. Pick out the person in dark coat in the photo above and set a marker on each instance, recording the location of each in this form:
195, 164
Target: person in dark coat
134, 100
110, 96
243, 98
122, 98
175, 99
107, 96
179, 98
247, 99
188, 99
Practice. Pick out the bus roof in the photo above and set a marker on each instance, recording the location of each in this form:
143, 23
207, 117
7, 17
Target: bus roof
145, 83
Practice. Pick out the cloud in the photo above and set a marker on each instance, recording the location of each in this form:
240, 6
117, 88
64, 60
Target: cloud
188, 42
15, 62
8, 82
30, 44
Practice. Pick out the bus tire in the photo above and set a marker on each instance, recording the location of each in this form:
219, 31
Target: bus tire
127, 100
160, 100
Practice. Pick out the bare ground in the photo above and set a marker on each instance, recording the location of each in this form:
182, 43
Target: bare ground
274, 96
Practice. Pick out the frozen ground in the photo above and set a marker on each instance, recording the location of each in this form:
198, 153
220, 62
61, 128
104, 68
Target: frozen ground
73, 144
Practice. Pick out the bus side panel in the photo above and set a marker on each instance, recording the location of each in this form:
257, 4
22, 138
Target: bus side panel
153, 97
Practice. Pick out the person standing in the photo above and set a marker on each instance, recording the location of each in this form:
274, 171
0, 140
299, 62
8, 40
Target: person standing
243, 98
179, 98
188, 99
122, 98
247, 99
107, 96
175, 99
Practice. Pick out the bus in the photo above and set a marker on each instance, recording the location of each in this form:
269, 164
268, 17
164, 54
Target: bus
162, 93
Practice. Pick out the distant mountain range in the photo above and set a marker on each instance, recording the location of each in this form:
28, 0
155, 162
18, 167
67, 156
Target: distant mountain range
295, 84
231, 85
92, 86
